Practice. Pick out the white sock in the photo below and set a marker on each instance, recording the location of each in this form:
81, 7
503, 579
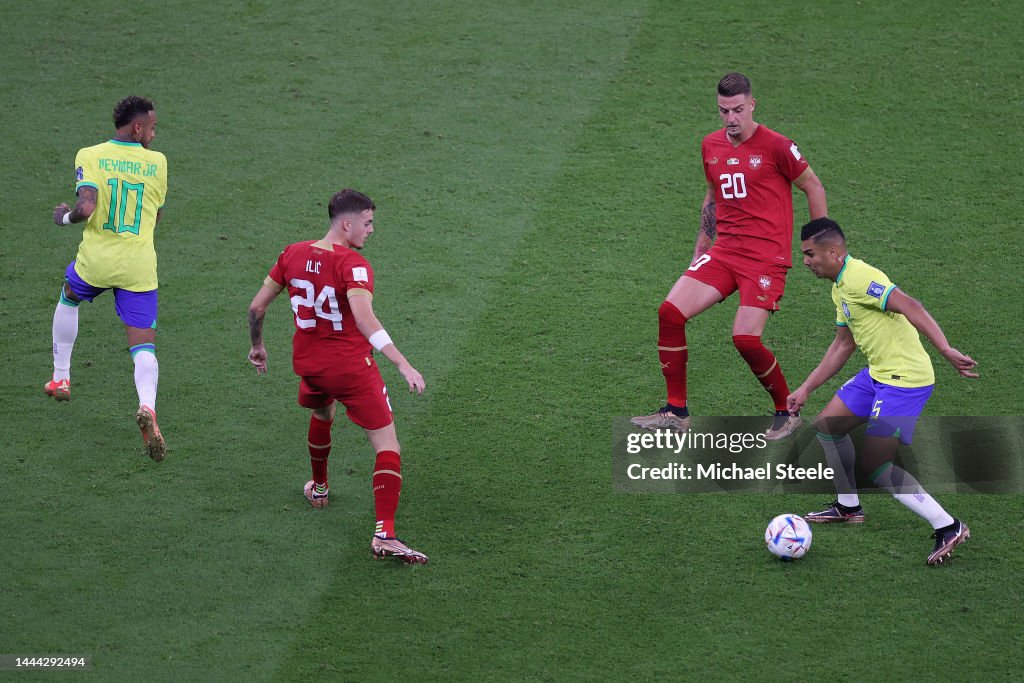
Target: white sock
840, 456
849, 500
65, 331
904, 488
146, 374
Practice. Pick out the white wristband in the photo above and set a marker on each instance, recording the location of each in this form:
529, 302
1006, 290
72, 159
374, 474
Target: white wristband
67, 218
380, 339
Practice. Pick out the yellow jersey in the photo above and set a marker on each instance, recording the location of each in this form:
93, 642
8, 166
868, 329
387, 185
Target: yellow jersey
117, 241
891, 343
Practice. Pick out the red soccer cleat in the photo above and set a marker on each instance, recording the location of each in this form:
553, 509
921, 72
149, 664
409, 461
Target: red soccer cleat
59, 390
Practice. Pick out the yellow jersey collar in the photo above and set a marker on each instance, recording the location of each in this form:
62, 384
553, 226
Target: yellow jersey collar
846, 261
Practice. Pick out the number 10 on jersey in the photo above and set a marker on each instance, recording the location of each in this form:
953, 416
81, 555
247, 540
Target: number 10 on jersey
119, 190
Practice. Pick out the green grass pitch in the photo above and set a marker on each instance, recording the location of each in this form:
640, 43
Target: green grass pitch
536, 167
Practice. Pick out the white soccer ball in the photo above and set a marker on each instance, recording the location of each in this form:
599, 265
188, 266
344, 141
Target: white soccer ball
788, 537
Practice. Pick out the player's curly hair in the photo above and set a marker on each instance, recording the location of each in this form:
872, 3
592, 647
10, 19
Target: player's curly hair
127, 109
349, 201
821, 229
733, 84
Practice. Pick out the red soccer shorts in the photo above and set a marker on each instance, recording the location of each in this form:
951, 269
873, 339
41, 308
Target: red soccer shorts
362, 393
761, 285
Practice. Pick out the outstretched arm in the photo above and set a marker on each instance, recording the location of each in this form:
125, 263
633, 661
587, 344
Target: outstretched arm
257, 311
817, 204
839, 351
370, 327
707, 232
921, 319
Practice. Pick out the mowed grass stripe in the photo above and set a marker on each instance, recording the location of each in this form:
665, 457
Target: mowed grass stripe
435, 610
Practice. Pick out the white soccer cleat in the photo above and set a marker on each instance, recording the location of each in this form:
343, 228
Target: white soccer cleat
783, 425
394, 547
663, 419
315, 498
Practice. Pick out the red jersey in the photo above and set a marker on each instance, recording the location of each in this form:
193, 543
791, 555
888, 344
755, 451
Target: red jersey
753, 194
326, 341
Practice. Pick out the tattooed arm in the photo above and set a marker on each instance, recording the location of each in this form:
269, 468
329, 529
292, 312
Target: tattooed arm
257, 311
706, 235
84, 207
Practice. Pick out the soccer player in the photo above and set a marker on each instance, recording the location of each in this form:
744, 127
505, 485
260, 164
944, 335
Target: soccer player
121, 187
744, 244
889, 394
331, 290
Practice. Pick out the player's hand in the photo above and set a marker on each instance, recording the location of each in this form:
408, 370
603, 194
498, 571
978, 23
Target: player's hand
413, 377
963, 363
258, 357
796, 400
59, 211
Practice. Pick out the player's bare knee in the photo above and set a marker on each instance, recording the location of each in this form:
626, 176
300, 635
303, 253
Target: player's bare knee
140, 335
826, 424
69, 295
384, 439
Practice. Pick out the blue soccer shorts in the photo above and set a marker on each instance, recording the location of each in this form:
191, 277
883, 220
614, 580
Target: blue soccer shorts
136, 309
889, 410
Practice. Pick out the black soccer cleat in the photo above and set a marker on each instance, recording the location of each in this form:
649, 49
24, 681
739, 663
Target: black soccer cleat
837, 513
946, 539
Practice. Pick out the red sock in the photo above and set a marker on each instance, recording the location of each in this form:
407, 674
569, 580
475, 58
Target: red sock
387, 486
672, 352
764, 366
319, 448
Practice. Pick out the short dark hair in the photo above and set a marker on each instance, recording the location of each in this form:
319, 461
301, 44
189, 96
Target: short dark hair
821, 229
349, 201
127, 109
733, 84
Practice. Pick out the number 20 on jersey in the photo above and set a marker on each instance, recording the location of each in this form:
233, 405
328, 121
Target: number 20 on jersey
734, 185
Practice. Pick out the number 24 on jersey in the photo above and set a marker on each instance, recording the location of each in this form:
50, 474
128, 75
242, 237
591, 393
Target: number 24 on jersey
324, 304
